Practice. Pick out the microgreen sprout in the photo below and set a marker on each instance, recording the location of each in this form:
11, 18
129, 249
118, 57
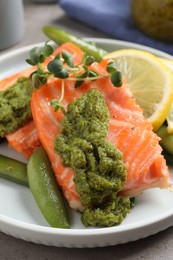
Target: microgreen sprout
116, 76
37, 57
62, 66
68, 58
56, 67
57, 105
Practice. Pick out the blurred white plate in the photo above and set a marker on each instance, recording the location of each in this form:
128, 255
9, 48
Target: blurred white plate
20, 217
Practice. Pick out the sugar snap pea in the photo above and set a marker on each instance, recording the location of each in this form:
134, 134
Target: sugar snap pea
13, 170
60, 36
166, 139
45, 190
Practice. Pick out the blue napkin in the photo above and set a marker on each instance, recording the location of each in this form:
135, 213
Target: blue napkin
112, 17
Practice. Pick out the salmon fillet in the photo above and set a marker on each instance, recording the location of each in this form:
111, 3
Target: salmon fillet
26, 138
128, 130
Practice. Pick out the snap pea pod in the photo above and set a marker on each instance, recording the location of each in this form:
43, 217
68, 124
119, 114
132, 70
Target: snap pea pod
45, 190
166, 139
13, 170
60, 36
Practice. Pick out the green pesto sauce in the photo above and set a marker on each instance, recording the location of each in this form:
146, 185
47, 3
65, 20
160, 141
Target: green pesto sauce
15, 105
99, 172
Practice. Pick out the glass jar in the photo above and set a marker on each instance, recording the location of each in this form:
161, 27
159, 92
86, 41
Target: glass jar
154, 18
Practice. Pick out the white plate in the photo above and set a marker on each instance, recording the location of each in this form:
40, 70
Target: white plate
20, 217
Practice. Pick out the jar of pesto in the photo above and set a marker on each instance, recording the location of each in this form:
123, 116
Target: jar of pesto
154, 18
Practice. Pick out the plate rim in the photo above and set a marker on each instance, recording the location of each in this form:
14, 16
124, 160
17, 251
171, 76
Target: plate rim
92, 39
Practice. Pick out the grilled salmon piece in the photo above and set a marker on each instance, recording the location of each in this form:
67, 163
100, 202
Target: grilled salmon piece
26, 138
128, 130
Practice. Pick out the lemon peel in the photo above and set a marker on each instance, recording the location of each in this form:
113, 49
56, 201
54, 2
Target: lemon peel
150, 81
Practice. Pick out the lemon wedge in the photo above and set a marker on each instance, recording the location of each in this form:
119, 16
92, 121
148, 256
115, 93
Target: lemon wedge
168, 63
149, 80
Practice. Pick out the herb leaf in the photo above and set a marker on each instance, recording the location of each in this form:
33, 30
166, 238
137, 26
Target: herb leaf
48, 50
57, 105
81, 76
38, 80
58, 56
89, 60
111, 67
116, 76
56, 67
92, 73
35, 54
68, 58
116, 79
29, 61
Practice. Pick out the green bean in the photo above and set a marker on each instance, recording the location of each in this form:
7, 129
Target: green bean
45, 190
166, 139
13, 170
60, 36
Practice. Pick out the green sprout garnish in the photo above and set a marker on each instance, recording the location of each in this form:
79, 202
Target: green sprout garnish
56, 67
116, 76
38, 55
62, 66
57, 105
68, 58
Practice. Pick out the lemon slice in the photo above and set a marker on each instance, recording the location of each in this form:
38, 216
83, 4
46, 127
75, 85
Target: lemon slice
169, 117
168, 63
149, 80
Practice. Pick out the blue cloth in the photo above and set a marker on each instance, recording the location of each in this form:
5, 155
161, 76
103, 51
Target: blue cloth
112, 17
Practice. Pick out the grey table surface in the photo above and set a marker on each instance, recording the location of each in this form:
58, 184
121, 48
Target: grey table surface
158, 246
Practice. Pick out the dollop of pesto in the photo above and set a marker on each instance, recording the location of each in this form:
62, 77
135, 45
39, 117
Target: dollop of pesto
15, 105
99, 172
109, 214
